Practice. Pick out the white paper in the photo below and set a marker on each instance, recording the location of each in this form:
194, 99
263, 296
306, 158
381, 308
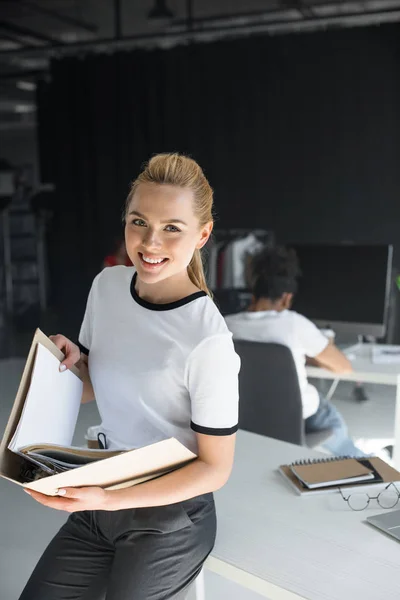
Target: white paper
52, 404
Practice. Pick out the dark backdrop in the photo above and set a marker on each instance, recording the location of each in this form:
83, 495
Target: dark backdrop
299, 133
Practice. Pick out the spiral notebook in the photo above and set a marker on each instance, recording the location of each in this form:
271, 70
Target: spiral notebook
309, 477
345, 470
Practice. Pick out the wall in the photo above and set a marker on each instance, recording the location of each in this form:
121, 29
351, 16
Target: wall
297, 133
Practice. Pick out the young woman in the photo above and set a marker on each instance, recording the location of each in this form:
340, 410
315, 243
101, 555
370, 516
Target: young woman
162, 364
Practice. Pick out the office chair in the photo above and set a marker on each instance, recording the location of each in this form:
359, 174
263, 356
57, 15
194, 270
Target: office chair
270, 397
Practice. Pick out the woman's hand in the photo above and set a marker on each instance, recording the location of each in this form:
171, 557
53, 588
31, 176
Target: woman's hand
71, 351
74, 499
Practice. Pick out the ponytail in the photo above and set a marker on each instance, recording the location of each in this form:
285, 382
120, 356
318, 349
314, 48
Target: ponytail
196, 272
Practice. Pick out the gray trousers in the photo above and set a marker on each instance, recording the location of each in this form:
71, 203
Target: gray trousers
137, 554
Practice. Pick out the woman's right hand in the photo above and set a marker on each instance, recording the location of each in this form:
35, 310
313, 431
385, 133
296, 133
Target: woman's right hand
70, 350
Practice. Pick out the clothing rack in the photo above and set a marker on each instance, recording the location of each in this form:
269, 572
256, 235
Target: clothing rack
228, 261
220, 234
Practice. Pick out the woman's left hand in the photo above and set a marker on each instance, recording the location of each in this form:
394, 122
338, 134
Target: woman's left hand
74, 499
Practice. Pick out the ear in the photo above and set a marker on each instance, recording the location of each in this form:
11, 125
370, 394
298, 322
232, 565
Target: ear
287, 300
205, 234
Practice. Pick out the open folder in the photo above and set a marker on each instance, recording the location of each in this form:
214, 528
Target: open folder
40, 428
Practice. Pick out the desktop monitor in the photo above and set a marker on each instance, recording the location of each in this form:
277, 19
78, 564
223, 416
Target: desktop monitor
345, 287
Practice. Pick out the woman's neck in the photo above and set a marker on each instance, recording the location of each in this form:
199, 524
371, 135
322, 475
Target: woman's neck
168, 290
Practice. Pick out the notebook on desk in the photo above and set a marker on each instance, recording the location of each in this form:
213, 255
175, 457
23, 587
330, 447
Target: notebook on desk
328, 474
333, 472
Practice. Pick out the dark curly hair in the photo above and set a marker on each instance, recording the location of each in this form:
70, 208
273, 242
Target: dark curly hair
274, 272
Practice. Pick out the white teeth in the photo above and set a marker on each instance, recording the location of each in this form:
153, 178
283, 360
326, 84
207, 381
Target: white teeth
152, 261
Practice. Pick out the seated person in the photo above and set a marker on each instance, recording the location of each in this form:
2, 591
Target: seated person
273, 281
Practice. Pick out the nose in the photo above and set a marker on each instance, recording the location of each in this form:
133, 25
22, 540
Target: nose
151, 239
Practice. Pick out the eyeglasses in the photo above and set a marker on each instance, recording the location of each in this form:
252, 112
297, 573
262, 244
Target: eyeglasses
387, 498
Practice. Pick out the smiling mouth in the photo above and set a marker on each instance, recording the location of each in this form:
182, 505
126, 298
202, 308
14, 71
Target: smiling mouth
150, 262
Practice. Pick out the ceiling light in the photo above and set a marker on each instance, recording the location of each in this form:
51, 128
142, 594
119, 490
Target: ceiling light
26, 86
160, 10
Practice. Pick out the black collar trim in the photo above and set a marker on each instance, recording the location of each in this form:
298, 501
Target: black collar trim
168, 305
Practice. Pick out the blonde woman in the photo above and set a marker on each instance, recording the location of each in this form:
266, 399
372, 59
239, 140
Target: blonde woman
161, 363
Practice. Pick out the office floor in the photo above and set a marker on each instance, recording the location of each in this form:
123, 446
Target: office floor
26, 527
370, 423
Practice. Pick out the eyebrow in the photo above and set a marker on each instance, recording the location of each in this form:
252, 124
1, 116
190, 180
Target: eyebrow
138, 214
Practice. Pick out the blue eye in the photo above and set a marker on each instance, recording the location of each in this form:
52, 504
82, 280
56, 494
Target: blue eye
172, 228
139, 222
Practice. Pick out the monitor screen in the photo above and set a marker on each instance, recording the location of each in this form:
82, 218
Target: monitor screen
344, 283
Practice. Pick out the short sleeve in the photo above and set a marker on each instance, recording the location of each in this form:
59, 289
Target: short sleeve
212, 373
312, 341
85, 334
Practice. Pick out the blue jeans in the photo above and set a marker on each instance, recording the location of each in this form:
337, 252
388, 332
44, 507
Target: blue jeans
328, 417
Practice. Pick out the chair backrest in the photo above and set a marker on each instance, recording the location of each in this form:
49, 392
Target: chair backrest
270, 397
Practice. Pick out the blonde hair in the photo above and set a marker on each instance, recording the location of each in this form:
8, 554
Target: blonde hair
181, 171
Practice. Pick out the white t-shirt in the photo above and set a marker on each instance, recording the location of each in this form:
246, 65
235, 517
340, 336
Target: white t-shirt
158, 370
287, 328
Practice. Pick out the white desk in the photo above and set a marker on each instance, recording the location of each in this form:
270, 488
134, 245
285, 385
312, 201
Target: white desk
287, 547
364, 370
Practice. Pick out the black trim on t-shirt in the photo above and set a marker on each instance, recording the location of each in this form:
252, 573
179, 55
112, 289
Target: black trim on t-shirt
214, 430
82, 348
168, 305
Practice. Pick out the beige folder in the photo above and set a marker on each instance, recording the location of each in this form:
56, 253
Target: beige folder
127, 469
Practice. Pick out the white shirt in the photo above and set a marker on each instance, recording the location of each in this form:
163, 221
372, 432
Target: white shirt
158, 370
290, 329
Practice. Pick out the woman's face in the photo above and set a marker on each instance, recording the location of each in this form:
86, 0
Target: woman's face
162, 231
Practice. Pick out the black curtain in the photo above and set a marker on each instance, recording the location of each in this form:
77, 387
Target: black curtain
297, 133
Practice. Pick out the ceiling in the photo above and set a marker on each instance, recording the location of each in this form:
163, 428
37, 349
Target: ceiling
32, 31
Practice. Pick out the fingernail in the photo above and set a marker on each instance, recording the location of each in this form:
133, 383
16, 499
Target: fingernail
62, 492
27, 492
62, 368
